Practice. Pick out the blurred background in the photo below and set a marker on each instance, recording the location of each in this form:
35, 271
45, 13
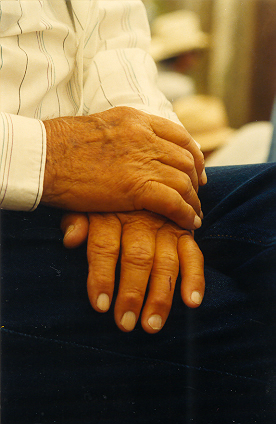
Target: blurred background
218, 57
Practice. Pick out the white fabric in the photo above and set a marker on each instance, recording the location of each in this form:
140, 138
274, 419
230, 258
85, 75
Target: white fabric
249, 145
47, 69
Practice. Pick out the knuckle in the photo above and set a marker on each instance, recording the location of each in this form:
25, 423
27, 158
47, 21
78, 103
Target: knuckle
166, 262
189, 139
174, 206
133, 297
173, 229
138, 254
101, 280
102, 248
189, 162
189, 156
162, 302
187, 188
198, 278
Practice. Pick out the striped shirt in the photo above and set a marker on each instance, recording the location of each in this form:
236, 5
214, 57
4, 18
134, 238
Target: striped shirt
52, 65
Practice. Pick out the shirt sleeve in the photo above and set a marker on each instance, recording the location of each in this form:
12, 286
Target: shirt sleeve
22, 193
121, 72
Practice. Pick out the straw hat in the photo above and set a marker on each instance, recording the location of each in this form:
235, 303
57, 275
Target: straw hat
176, 32
205, 118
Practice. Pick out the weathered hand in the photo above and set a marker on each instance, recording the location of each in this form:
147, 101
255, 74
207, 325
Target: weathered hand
152, 248
123, 160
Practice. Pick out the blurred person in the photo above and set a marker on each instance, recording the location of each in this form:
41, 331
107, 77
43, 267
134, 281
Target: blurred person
61, 360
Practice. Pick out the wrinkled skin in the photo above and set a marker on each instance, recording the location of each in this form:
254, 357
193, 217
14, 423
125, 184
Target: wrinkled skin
152, 250
123, 160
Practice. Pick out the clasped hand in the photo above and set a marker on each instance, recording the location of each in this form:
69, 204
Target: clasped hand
115, 165
123, 160
152, 249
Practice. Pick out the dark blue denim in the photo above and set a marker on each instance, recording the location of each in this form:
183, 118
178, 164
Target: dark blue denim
64, 363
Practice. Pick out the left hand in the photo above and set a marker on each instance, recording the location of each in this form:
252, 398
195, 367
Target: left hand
152, 249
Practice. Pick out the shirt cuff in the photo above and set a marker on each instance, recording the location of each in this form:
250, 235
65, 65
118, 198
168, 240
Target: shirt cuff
22, 162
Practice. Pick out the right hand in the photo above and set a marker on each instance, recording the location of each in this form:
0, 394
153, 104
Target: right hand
123, 160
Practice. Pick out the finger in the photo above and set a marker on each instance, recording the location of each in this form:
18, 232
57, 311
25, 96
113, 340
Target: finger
138, 246
75, 229
166, 201
103, 248
162, 281
177, 134
192, 271
178, 158
182, 184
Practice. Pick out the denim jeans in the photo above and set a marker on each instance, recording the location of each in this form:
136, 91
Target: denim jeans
64, 363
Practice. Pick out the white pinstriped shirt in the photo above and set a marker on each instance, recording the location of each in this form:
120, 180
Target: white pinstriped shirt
48, 69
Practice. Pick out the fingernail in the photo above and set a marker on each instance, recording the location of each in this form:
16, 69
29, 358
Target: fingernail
196, 297
197, 222
203, 177
103, 302
69, 230
128, 321
201, 215
155, 322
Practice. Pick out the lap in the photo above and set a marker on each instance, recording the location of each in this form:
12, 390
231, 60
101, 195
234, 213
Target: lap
64, 361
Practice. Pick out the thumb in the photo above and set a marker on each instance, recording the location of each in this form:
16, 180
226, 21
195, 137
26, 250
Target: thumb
75, 229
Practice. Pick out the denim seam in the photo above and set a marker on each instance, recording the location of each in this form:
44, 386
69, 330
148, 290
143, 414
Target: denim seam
147, 360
